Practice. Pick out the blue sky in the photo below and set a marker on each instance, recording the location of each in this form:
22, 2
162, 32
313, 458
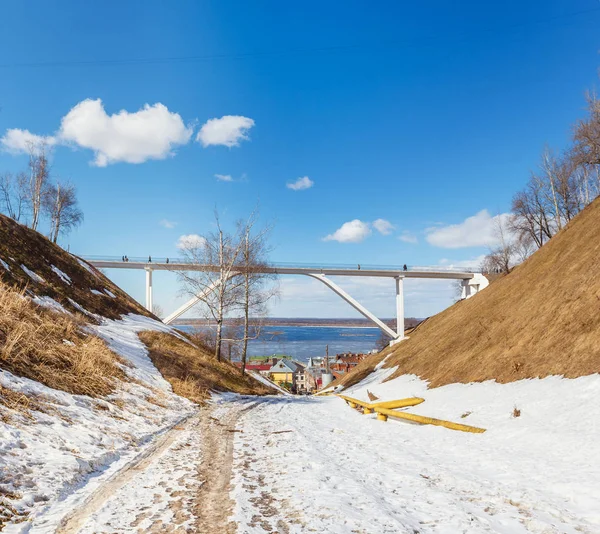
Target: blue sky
420, 114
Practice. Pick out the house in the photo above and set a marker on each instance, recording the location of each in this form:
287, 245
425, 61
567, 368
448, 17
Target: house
260, 368
284, 373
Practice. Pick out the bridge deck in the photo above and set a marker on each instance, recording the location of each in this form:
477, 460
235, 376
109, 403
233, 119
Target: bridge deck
160, 264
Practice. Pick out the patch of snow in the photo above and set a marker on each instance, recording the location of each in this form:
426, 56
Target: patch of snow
56, 459
110, 294
35, 277
80, 308
48, 302
336, 470
96, 292
63, 276
87, 267
5, 265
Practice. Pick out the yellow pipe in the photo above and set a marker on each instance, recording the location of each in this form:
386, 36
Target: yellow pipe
382, 417
367, 410
428, 420
400, 403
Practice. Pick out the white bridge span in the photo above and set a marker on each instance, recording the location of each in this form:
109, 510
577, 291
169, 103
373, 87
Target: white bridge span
472, 281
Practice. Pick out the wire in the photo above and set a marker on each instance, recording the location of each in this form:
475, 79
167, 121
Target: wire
258, 54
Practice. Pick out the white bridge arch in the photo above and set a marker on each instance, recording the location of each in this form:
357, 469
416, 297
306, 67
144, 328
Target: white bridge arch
472, 281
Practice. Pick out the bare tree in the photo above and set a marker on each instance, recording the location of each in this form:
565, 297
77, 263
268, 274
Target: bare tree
257, 286
39, 178
13, 195
587, 135
158, 310
60, 203
217, 285
500, 258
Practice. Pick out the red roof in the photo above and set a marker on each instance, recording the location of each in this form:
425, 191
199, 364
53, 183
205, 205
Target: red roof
254, 366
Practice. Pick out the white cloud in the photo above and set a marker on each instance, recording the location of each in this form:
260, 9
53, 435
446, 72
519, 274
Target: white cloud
383, 227
150, 133
190, 241
224, 177
17, 141
407, 237
167, 224
475, 231
350, 232
301, 183
228, 131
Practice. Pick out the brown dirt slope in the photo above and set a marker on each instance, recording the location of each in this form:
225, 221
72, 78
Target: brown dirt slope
193, 371
542, 319
21, 246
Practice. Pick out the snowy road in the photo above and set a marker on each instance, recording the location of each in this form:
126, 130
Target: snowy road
305, 464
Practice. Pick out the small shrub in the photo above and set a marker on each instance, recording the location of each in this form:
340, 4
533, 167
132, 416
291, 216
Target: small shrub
516, 412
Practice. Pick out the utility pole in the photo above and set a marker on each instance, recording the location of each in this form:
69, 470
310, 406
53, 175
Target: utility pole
327, 359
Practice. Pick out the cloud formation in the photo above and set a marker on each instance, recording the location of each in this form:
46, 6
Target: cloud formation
165, 223
383, 227
224, 177
350, 232
228, 131
150, 133
19, 141
407, 237
475, 231
190, 241
301, 183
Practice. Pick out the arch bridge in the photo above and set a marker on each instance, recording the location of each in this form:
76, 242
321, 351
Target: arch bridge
472, 281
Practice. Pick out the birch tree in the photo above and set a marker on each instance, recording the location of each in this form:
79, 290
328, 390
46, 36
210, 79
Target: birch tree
257, 287
39, 178
214, 278
60, 203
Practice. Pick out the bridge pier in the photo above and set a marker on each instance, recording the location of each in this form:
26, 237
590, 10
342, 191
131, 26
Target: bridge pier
361, 309
149, 305
399, 309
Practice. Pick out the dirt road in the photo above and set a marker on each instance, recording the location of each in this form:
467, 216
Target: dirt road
180, 484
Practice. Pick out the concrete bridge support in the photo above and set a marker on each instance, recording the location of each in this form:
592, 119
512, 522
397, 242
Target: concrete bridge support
149, 303
366, 313
471, 286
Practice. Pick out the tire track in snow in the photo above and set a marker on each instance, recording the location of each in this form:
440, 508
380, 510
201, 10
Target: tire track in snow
73, 522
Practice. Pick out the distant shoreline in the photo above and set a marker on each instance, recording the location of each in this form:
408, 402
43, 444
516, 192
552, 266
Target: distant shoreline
306, 323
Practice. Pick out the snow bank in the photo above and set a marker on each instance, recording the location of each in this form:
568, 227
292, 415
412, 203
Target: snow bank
4, 265
80, 441
35, 277
63, 276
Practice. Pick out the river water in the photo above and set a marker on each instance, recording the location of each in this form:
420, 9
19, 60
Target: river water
302, 342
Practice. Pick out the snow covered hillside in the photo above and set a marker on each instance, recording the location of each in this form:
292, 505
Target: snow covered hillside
89, 381
47, 454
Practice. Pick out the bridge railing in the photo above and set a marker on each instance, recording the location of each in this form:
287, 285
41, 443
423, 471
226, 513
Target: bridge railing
283, 265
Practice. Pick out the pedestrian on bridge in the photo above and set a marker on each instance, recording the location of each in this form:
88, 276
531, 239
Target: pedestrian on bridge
167, 260
149, 259
405, 268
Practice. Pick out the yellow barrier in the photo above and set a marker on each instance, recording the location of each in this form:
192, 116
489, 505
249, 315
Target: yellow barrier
384, 411
369, 407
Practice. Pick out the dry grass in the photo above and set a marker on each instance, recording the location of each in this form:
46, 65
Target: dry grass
516, 412
51, 348
193, 372
542, 319
21, 245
